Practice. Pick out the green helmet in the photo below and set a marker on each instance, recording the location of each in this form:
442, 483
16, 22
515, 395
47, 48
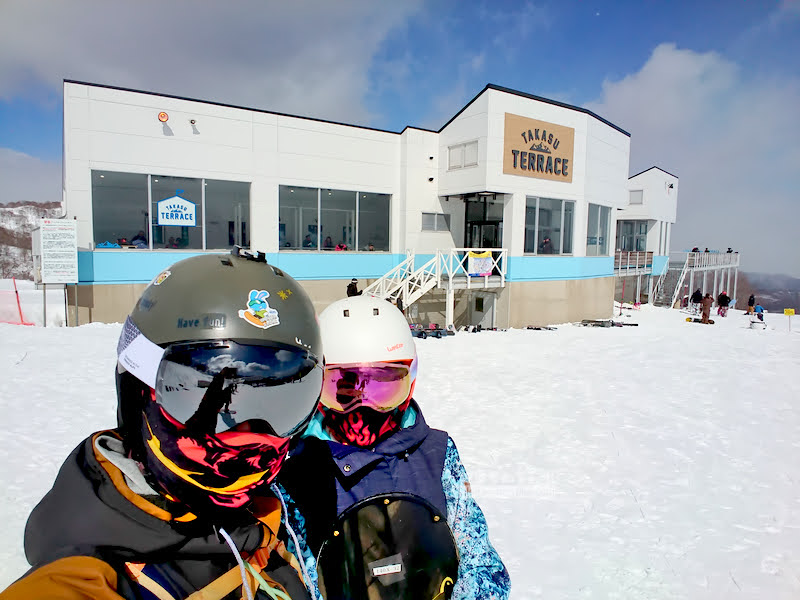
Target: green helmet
221, 353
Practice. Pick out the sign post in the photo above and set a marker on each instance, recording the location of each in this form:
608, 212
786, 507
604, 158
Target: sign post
55, 255
789, 312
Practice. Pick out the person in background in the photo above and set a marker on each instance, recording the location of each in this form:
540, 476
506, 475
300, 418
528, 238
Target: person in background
706, 307
328, 243
696, 299
352, 288
140, 239
723, 302
695, 249
759, 312
751, 302
341, 246
307, 241
369, 438
730, 250
178, 502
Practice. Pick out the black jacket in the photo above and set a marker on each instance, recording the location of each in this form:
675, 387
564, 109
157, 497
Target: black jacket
92, 526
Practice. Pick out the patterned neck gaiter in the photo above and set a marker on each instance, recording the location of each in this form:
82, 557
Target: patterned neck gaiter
362, 427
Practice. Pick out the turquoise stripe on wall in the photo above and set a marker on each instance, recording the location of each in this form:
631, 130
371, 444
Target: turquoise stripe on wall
547, 268
141, 266
658, 264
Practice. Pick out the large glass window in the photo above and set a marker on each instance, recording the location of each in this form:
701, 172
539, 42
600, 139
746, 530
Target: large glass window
298, 218
227, 214
119, 209
122, 217
177, 236
548, 226
327, 219
597, 230
338, 209
373, 221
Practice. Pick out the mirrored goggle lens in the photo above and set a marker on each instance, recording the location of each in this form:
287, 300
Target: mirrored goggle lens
217, 385
380, 386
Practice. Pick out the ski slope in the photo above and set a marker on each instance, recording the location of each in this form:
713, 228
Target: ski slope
651, 462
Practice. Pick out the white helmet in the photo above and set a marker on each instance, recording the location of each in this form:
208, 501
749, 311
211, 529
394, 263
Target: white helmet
370, 370
365, 329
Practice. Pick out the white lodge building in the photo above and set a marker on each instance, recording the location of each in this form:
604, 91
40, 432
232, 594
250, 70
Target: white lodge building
505, 217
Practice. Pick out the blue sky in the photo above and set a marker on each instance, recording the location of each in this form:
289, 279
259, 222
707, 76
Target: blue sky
708, 90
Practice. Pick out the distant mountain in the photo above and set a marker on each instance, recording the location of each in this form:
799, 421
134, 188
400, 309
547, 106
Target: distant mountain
17, 221
773, 292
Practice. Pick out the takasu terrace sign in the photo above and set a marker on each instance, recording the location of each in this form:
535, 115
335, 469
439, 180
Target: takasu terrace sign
538, 149
177, 211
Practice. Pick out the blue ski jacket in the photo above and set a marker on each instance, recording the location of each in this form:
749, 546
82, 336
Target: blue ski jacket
416, 460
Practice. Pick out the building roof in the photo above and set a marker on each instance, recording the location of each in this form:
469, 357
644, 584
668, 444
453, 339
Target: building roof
654, 167
489, 86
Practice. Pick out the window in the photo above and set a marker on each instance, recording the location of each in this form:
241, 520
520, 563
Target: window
435, 222
119, 208
338, 222
548, 226
227, 213
597, 230
636, 196
121, 217
463, 155
373, 221
298, 218
327, 219
177, 236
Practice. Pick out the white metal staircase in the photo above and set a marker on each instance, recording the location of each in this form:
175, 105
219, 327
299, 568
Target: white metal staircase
447, 269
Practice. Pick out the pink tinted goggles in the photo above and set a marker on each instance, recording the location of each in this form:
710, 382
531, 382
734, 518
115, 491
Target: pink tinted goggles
381, 386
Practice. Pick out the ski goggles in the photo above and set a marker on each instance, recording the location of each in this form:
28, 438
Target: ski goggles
381, 386
213, 386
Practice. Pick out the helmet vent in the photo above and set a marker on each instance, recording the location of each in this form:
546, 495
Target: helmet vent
375, 311
226, 261
277, 271
346, 312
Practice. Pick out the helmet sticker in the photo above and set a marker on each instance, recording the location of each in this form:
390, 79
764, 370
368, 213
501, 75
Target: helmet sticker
258, 312
161, 277
284, 294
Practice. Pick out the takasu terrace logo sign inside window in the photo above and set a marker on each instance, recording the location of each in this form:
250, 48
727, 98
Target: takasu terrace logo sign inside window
177, 211
538, 149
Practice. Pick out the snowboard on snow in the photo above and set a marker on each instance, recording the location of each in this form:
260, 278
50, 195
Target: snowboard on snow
696, 320
389, 547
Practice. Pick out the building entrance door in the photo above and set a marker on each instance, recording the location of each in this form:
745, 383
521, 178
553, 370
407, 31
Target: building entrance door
484, 222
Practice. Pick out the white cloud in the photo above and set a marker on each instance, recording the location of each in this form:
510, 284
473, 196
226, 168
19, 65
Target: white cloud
24, 178
733, 142
309, 58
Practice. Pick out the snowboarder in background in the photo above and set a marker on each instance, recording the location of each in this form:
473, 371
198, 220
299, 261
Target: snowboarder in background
751, 303
369, 438
352, 288
759, 311
166, 505
697, 298
706, 307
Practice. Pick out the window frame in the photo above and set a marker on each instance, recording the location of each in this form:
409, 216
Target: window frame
462, 148
438, 219
561, 230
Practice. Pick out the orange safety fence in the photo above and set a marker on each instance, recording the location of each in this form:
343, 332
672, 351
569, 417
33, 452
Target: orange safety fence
11, 307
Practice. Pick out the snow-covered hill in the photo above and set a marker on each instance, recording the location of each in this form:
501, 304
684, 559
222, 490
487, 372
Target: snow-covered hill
16, 223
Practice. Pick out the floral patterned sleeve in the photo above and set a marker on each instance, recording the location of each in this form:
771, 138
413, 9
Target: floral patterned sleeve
297, 523
481, 573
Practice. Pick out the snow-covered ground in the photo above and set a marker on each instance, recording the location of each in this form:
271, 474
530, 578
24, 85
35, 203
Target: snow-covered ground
658, 461
31, 302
